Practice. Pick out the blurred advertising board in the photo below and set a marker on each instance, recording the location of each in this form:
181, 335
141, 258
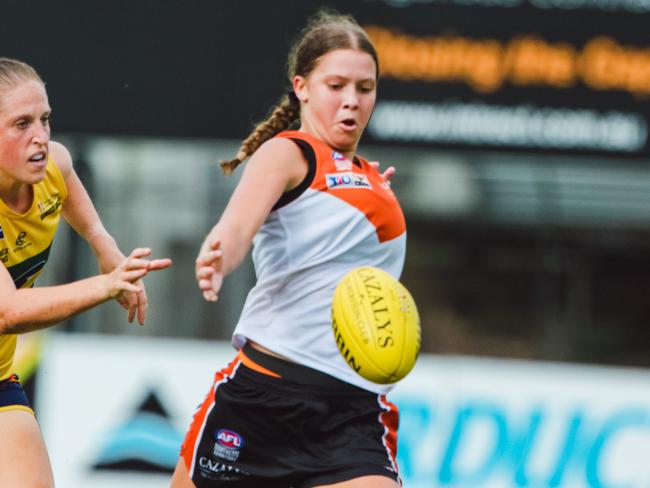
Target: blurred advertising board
552, 76
564, 76
114, 411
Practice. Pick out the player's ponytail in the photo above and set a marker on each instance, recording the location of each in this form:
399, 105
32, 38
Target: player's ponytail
326, 31
283, 114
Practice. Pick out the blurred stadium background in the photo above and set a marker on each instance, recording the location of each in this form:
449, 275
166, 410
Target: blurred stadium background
519, 129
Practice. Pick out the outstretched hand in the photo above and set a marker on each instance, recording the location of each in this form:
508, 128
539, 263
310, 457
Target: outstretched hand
125, 282
209, 269
386, 175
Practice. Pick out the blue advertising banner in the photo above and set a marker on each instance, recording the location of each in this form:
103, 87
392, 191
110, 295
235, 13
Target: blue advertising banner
464, 422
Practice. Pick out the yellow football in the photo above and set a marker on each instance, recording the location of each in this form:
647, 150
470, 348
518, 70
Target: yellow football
376, 325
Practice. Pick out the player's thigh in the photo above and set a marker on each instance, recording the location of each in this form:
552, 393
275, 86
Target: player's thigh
23, 458
181, 478
364, 482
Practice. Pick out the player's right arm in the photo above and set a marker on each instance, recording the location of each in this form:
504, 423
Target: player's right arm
28, 309
277, 166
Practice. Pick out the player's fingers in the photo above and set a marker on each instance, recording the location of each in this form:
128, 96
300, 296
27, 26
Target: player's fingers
386, 175
204, 273
135, 263
215, 244
205, 284
132, 299
210, 296
123, 301
140, 252
134, 275
143, 304
129, 287
156, 264
374, 164
208, 258
142, 313
212, 256
132, 310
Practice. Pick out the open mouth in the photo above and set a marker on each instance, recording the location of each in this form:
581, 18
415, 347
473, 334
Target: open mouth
39, 157
348, 124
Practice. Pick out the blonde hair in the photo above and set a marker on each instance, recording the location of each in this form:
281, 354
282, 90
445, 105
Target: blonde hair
326, 31
14, 72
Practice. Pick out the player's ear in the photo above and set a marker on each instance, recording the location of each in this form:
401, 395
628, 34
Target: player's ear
300, 88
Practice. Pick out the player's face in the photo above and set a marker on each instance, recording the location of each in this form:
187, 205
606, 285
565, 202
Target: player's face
24, 133
337, 98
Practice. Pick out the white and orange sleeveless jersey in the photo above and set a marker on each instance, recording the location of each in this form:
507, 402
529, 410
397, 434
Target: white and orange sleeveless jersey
341, 216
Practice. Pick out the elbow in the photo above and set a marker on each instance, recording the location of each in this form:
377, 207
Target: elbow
10, 317
8, 324
5, 325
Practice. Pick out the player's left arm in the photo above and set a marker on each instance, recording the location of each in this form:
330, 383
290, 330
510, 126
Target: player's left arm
80, 213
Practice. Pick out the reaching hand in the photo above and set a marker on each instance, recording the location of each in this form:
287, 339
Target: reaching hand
386, 175
208, 269
125, 283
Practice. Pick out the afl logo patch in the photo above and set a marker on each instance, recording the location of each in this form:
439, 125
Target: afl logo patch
229, 438
2, 234
227, 445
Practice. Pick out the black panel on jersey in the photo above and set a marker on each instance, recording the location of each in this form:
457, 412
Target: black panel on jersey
21, 272
294, 193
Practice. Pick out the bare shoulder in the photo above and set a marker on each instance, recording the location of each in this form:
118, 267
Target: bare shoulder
278, 151
61, 157
279, 158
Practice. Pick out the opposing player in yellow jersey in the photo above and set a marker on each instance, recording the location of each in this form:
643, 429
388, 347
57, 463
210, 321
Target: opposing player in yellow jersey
38, 185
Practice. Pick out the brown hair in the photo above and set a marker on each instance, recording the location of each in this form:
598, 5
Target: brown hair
14, 72
326, 31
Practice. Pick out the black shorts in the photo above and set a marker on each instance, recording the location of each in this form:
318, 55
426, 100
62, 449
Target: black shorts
270, 423
12, 395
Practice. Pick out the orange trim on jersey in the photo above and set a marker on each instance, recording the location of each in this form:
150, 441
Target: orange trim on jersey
378, 204
390, 420
250, 364
188, 448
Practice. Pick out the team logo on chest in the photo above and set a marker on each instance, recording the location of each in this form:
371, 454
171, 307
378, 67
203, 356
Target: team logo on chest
347, 179
49, 206
22, 242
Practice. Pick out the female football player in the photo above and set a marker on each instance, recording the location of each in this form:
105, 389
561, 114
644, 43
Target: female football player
38, 185
288, 411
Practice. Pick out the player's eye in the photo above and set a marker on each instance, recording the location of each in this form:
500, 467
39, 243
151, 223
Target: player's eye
366, 88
